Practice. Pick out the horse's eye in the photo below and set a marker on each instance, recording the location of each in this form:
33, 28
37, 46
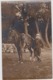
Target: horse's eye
10, 38
9, 32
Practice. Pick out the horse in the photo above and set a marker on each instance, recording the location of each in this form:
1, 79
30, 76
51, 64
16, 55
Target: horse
15, 38
23, 41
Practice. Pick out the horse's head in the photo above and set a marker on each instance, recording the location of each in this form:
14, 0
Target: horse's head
13, 36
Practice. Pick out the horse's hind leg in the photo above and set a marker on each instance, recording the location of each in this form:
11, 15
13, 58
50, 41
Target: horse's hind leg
30, 53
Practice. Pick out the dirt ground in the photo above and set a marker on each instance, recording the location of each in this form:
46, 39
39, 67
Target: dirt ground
12, 70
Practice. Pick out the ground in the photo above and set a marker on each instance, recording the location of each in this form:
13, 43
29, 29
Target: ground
12, 70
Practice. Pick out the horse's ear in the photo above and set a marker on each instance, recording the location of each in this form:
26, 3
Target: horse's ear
10, 29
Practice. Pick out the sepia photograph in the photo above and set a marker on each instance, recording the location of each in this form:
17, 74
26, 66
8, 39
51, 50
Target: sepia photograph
26, 39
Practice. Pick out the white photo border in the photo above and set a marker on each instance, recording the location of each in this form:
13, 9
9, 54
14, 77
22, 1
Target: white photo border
1, 75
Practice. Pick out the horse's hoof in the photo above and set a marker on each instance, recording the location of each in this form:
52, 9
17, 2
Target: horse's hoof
30, 58
34, 59
18, 61
39, 60
21, 62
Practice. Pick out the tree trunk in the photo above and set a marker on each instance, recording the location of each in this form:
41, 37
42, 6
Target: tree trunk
46, 34
37, 28
26, 27
38, 32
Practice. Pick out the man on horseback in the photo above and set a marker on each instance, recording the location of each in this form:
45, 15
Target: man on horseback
23, 41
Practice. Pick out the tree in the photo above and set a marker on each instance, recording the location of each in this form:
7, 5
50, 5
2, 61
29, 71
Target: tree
45, 14
33, 11
37, 12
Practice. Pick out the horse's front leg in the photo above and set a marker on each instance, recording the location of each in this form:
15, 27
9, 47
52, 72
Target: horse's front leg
20, 55
30, 49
